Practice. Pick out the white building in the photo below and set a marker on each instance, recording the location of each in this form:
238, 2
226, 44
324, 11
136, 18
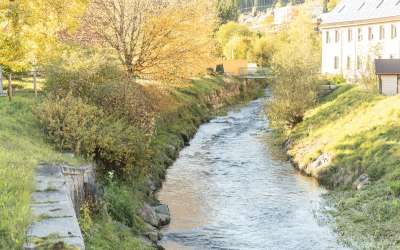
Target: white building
358, 31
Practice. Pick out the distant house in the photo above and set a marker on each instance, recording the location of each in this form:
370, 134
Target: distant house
283, 15
388, 71
358, 31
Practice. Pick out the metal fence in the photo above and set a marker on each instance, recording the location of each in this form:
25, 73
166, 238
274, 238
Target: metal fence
256, 73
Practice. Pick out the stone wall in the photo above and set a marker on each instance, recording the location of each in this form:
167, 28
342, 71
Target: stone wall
60, 193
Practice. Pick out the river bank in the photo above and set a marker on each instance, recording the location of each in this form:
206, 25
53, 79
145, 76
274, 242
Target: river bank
177, 127
188, 108
349, 143
233, 189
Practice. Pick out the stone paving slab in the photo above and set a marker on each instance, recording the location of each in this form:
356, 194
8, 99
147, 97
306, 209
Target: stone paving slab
53, 209
62, 227
60, 209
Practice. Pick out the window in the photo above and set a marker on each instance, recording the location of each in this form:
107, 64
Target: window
350, 35
328, 38
381, 32
360, 35
370, 33
337, 37
348, 64
393, 31
336, 62
359, 62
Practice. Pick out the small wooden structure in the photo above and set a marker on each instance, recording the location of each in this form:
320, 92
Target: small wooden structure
388, 72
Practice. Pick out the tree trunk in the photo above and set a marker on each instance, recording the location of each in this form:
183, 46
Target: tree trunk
10, 87
34, 82
1, 82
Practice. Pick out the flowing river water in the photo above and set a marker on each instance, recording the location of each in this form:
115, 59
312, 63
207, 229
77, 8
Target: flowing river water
230, 189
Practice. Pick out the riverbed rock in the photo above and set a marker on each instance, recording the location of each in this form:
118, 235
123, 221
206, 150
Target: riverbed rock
164, 219
323, 160
157, 216
149, 215
152, 233
361, 182
162, 209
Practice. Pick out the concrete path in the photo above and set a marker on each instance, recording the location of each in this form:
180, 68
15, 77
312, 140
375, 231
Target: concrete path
55, 220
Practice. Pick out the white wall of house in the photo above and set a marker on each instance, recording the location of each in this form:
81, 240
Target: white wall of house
389, 85
348, 51
283, 15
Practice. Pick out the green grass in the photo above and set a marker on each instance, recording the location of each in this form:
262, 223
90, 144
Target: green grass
361, 131
107, 234
22, 148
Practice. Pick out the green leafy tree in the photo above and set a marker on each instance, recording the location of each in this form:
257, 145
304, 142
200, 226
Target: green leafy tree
227, 10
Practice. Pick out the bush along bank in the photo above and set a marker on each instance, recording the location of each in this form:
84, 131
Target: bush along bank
133, 133
350, 143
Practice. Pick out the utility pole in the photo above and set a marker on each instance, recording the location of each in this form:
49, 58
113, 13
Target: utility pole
1, 82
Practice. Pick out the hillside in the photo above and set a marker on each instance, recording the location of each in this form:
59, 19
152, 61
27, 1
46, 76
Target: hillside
350, 143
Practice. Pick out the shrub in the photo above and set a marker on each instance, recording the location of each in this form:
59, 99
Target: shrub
336, 79
122, 204
395, 188
85, 129
70, 123
375, 172
107, 87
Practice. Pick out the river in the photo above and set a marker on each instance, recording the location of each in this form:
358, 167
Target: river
230, 189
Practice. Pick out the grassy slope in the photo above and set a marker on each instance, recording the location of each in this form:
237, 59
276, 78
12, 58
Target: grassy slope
21, 149
361, 131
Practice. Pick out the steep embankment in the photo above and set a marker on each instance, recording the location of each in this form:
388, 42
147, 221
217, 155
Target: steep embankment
350, 143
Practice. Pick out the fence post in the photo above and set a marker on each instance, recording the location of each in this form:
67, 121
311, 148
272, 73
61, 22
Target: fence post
34, 82
1, 82
10, 87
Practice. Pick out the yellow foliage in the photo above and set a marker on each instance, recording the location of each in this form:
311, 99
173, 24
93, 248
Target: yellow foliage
29, 30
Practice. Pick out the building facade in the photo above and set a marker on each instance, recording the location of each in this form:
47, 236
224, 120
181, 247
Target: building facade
356, 33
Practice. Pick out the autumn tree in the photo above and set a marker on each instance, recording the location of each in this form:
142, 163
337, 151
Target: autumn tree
29, 30
164, 40
296, 65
